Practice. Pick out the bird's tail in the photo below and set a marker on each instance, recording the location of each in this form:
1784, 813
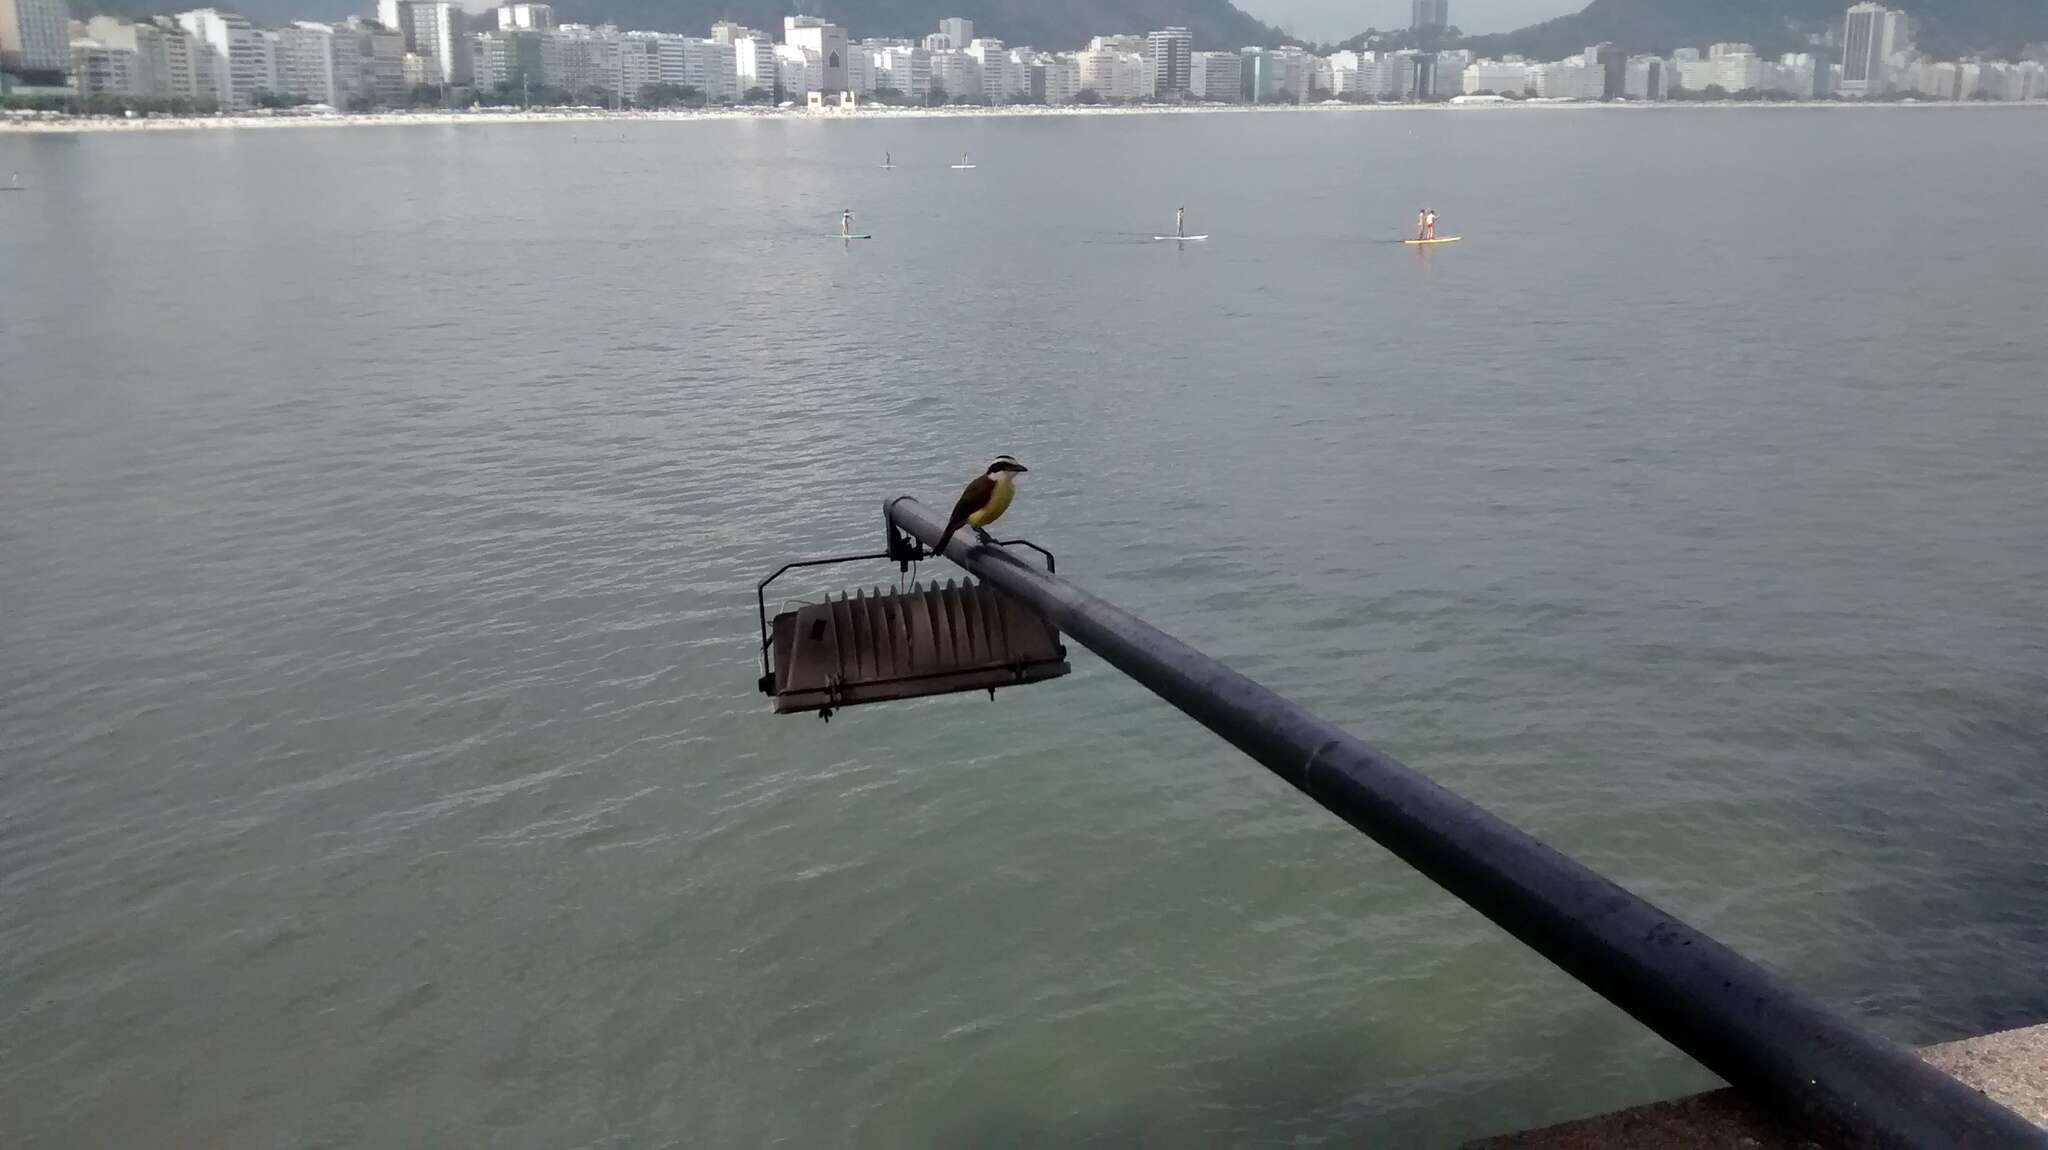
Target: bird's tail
944, 538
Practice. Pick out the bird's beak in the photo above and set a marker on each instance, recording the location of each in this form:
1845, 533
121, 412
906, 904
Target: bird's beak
1021, 468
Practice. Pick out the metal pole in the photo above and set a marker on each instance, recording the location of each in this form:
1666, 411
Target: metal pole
1843, 1083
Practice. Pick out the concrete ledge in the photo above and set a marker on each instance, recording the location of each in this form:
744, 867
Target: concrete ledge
2011, 1067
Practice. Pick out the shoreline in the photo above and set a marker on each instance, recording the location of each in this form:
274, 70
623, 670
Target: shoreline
34, 123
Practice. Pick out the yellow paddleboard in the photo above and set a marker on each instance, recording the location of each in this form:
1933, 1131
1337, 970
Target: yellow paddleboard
1438, 240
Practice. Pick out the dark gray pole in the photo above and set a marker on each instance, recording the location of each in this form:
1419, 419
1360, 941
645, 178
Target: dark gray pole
1840, 1081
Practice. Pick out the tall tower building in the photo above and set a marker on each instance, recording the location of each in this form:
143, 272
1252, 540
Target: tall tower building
826, 41
1429, 15
35, 36
1170, 61
438, 31
1865, 31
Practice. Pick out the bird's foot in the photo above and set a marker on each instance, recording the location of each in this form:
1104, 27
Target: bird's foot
986, 538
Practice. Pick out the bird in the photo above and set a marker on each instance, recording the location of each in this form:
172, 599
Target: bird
985, 499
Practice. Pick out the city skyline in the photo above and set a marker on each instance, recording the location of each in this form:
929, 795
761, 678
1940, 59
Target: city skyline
433, 51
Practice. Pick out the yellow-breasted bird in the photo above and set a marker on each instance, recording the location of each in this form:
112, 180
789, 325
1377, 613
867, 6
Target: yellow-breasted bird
985, 499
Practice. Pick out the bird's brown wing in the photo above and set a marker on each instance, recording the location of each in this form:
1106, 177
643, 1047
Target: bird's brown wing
971, 500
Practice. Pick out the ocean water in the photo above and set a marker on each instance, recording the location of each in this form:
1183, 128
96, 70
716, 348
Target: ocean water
380, 511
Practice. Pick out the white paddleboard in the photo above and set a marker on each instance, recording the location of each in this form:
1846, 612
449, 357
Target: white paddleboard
861, 237
963, 167
1180, 237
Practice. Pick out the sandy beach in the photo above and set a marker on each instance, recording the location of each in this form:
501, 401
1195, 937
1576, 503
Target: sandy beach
59, 122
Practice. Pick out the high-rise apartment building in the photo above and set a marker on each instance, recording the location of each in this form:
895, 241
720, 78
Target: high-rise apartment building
753, 56
827, 42
305, 63
438, 31
1169, 53
162, 66
526, 17
369, 64
904, 69
992, 59
1429, 15
35, 36
236, 57
1216, 76
102, 70
1870, 34
958, 33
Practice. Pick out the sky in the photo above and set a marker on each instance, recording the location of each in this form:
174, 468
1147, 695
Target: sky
1332, 20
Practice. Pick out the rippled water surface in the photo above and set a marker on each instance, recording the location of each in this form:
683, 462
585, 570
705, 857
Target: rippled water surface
380, 509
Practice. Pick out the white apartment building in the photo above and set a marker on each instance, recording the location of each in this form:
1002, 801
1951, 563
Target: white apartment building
2029, 80
369, 63
1215, 76
581, 60
1062, 79
712, 68
1938, 80
234, 55
1338, 73
639, 63
753, 57
162, 65
1502, 77
1114, 74
1571, 79
1643, 78
1737, 71
956, 74
998, 74
907, 70
101, 70
305, 63
827, 42
1448, 76
1292, 70
526, 17
1387, 75
438, 31
1322, 77
799, 71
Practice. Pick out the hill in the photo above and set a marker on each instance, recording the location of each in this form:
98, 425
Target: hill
1046, 24
1946, 28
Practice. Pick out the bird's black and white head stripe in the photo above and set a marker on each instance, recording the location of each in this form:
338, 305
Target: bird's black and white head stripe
1006, 463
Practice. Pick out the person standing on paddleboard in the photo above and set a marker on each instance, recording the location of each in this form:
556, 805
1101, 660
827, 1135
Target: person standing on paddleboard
1429, 223
846, 222
1422, 223
1180, 221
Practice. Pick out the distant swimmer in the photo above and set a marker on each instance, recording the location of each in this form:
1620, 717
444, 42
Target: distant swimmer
1180, 221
